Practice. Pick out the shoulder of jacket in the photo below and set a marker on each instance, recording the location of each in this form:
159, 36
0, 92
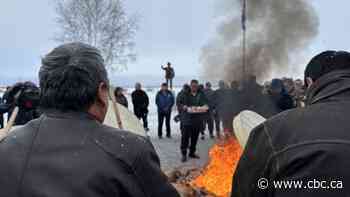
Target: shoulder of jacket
120, 144
285, 117
21, 136
283, 124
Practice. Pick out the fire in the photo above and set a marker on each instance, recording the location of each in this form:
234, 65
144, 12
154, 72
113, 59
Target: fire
217, 176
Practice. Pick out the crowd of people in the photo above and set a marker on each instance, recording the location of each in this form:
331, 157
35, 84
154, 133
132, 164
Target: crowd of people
308, 145
220, 106
66, 150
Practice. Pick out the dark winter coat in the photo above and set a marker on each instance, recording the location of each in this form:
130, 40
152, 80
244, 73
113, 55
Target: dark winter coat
283, 101
252, 97
275, 101
266, 105
180, 100
169, 72
71, 154
227, 102
140, 101
165, 101
273, 104
303, 144
4, 108
227, 105
210, 94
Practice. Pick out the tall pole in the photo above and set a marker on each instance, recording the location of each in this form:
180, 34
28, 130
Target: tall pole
244, 38
244, 48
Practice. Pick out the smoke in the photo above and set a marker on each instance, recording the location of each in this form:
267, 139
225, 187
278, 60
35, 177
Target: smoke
277, 33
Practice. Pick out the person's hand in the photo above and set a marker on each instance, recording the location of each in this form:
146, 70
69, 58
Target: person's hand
185, 108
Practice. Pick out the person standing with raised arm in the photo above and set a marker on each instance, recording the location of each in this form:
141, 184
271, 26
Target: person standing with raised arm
169, 74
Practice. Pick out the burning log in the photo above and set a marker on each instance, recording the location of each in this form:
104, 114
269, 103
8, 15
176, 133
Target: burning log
217, 176
181, 180
215, 180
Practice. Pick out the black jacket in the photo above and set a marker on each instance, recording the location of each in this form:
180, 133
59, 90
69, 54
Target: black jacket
210, 94
269, 105
253, 98
140, 101
304, 144
180, 99
227, 102
169, 72
71, 155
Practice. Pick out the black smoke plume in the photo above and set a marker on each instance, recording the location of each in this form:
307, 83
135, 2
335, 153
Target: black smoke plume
277, 33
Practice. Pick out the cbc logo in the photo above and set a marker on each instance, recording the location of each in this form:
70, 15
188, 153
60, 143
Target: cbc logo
263, 183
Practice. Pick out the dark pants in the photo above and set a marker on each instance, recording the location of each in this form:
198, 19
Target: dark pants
202, 129
170, 83
228, 123
190, 134
209, 121
161, 117
143, 117
217, 121
217, 124
1, 121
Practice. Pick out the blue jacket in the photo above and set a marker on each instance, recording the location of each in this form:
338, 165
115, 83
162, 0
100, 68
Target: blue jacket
165, 101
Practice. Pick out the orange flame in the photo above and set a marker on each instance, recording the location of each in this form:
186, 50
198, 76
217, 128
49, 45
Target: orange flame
217, 176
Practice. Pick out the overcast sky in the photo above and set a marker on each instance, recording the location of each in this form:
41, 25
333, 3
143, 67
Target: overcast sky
170, 30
